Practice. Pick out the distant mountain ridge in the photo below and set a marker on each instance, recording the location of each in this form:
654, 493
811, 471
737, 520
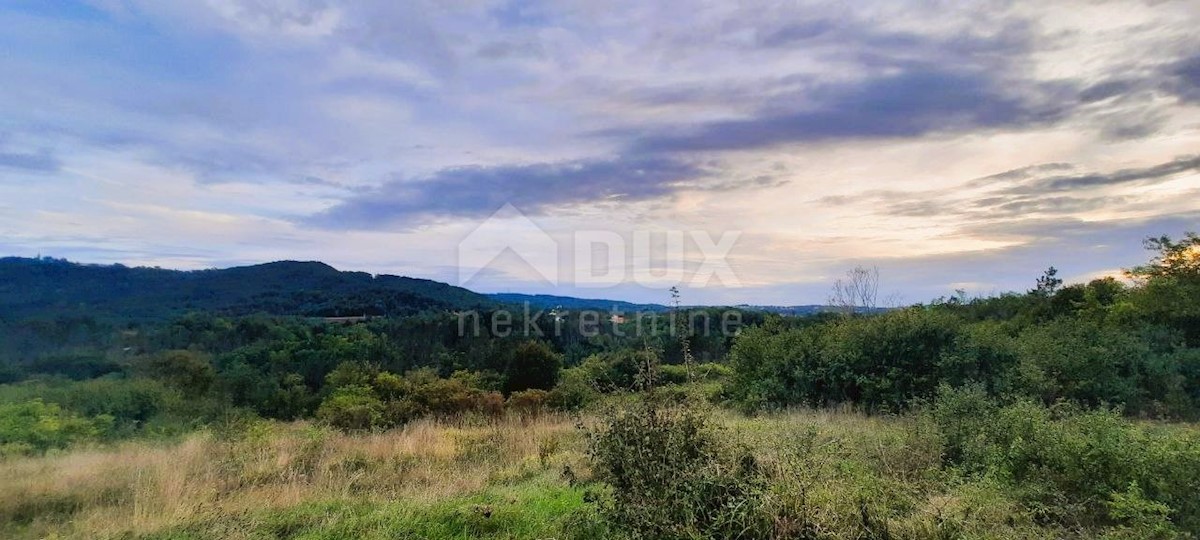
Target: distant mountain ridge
810, 309
48, 287
550, 301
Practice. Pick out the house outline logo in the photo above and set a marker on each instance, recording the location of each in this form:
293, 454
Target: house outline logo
508, 230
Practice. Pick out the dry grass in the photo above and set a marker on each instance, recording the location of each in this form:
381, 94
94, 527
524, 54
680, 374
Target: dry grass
839, 473
832, 474
139, 488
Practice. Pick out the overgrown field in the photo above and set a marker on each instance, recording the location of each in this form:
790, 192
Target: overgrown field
1031, 473
266, 480
1061, 412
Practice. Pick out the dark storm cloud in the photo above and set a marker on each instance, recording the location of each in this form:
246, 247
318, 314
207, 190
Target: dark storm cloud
1049, 205
1010, 196
1105, 90
1134, 83
479, 191
909, 104
913, 85
1036, 190
1154, 173
883, 55
909, 85
1186, 78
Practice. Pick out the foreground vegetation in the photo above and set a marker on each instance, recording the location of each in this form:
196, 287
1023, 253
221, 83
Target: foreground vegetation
258, 479
1023, 471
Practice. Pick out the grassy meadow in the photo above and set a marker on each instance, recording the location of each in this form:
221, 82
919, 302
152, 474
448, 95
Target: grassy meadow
430, 479
832, 473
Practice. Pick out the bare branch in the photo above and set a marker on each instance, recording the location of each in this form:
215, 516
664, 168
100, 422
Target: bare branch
858, 291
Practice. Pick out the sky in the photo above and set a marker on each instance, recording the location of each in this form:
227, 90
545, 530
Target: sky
952, 145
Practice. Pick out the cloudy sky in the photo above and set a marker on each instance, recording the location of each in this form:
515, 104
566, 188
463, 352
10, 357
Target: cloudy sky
953, 145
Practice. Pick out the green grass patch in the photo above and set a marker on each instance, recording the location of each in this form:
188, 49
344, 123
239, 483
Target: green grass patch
530, 510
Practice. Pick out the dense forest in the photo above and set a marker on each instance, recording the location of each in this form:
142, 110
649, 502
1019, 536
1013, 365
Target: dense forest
1022, 385
252, 339
47, 287
140, 349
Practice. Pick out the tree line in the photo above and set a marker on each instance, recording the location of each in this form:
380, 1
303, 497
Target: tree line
1134, 346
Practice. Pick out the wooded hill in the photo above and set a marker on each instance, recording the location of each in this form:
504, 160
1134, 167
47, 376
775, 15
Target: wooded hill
49, 287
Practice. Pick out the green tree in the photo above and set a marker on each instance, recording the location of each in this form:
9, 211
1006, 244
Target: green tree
532, 365
1173, 259
190, 371
35, 426
1073, 359
1170, 285
351, 408
674, 475
1048, 283
350, 374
